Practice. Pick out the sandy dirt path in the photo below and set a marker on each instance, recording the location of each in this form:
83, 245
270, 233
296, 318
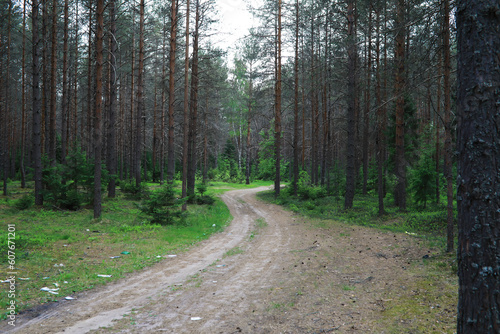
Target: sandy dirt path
284, 277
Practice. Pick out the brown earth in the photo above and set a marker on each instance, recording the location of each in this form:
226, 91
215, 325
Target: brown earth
290, 276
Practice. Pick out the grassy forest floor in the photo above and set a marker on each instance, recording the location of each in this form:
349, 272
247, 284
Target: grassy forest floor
411, 242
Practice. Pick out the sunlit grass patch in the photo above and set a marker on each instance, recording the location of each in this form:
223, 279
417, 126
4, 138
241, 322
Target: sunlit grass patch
70, 249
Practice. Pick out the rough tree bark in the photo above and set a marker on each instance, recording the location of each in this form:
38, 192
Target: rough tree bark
140, 99
399, 92
277, 120
98, 108
351, 105
171, 95
111, 156
296, 103
37, 104
478, 141
186, 113
65, 97
193, 115
447, 120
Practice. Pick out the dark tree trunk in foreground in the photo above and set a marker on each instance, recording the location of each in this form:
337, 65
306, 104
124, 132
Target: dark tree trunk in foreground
98, 108
37, 105
351, 106
478, 141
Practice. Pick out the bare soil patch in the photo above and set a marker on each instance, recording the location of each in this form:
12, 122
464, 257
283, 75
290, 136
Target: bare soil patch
289, 275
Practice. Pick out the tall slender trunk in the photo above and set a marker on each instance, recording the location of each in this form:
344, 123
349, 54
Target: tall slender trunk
186, 113
163, 97
438, 128
37, 106
45, 78
296, 103
277, 120
23, 102
205, 141
140, 99
88, 132
65, 97
366, 114
98, 107
399, 87
171, 95
75, 83
194, 105
351, 105
113, 50
447, 120
155, 133
380, 124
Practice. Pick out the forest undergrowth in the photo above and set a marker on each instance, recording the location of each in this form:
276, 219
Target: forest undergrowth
70, 251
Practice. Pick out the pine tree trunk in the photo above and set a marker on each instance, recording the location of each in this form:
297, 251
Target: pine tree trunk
296, 103
399, 87
23, 102
366, 119
65, 97
98, 108
113, 53
478, 143
171, 95
277, 120
351, 106
37, 106
140, 99
380, 125
447, 111
186, 113
194, 106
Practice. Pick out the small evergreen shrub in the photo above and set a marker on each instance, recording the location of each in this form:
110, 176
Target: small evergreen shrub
24, 202
163, 207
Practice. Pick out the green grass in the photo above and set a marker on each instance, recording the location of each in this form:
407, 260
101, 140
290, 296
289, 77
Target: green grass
232, 252
46, 238
428, 224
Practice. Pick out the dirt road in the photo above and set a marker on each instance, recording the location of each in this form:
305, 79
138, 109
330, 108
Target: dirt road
282, 277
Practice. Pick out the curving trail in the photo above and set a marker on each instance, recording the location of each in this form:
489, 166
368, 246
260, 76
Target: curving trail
290, 276
225, 292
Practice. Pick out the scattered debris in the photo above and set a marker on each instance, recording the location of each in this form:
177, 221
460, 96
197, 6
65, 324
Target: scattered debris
49, 290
